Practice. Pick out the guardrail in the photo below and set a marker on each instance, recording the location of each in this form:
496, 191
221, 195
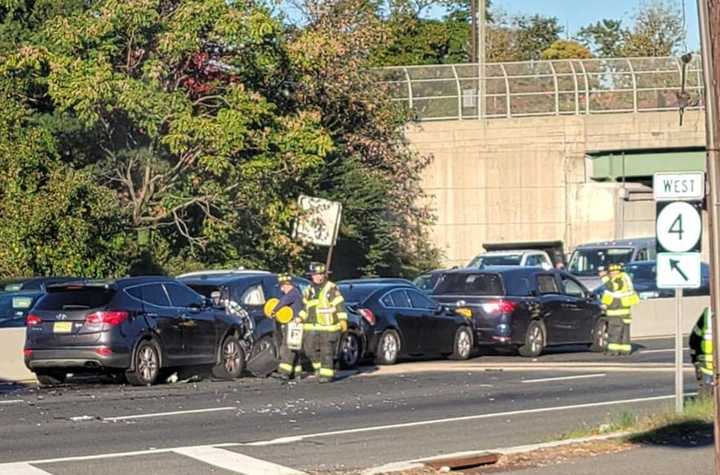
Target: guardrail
540, 88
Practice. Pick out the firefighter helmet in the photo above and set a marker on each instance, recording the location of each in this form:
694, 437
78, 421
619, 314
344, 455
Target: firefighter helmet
616, 267
317, 268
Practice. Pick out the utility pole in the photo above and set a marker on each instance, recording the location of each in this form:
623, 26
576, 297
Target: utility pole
709, 15
481, 20
473, 31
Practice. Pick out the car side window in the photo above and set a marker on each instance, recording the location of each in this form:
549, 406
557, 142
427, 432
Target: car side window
400, 299
387, 301
418, 300
570, 287
154, 294
546, 284
642, 255
254, 296
183, 296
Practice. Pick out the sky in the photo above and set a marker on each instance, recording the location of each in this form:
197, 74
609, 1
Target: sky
574, 14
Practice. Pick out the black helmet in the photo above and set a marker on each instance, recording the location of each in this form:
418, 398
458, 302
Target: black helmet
317, 268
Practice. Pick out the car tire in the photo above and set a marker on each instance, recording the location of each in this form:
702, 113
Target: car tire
599, 336
232, 359
535, 340
462, 345
388, 348
50, 378
146, 364
349, 352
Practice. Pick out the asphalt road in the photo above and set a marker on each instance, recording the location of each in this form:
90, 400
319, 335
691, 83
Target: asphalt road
368, 419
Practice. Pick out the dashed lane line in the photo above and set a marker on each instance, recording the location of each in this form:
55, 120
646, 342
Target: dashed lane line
21, 469
565, 378
166, 414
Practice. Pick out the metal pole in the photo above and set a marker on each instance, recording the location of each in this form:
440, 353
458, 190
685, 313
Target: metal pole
710, 47
328, 260
678, 352
473, 31
481, 10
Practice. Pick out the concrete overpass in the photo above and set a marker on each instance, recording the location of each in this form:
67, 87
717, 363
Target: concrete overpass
566, 149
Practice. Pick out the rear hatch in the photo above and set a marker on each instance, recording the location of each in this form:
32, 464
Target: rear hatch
60, 317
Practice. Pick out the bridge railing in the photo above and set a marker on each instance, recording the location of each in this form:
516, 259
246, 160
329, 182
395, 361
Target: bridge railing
539, 88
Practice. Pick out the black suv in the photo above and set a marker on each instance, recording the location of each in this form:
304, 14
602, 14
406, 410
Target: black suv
134, 327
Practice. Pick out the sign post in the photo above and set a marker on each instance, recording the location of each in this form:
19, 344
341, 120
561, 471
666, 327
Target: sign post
678, 228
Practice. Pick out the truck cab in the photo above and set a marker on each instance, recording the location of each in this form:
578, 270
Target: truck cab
589, 259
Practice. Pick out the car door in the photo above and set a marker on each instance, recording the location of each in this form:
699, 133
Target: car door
437, 329
409, 320
163, 317
579, 310
552, 311
197, 322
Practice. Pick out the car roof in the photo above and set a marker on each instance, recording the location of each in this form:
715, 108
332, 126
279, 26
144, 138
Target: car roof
634, 242
122, 282
512, 252
504, 270
223, 272
378, 280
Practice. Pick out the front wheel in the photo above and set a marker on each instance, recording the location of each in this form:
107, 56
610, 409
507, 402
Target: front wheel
463, 344
534, 340
232, 359
388, 348
349, 351
599, 336
146, 365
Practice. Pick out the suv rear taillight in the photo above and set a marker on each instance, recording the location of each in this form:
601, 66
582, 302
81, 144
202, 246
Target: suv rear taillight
499, 306
112, 318
32, 320
368, 315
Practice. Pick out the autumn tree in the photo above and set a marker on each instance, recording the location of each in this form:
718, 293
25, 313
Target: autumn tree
566, 49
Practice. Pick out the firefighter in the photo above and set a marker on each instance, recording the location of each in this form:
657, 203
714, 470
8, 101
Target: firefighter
290, 364
701, 352
618, 298
324, 320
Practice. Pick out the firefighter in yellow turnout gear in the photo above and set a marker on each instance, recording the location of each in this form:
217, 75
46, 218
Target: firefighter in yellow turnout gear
324, 320
618, 299
701, 351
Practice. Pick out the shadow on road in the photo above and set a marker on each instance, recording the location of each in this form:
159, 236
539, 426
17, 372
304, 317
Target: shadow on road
688, 434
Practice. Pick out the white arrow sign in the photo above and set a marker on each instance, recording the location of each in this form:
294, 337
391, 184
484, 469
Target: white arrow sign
678, 270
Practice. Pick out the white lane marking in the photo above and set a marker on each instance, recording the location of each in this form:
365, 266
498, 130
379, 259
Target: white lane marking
563, 378
165, 414
235, 462
21, 469
299, 438
12, 401
646, 352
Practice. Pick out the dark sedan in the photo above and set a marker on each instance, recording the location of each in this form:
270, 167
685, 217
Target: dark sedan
17, 297
136, 327
402, 321
524, 309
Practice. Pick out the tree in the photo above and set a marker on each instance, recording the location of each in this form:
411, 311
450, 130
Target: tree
566, 49
606, 38
534, 34
657, 31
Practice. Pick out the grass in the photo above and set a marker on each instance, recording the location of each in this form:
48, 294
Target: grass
697, 417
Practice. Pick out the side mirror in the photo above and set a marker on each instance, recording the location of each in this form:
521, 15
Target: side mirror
438, 310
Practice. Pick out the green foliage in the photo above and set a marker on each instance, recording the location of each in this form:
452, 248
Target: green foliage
566, 49
605, 37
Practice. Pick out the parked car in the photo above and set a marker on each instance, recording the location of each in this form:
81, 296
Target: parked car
523, 308
402, 321
251, 289
427, 281
17, 297
588, 259
518, 257
137, 327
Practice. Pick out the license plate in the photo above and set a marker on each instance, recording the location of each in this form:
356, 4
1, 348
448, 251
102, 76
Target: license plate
62, 327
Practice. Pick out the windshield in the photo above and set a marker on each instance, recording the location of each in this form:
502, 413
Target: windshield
470, 284
587, 262
424, 282
496, 260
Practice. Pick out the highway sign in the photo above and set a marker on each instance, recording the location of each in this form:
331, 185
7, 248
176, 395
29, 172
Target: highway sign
679, 186
678, 227
678, 270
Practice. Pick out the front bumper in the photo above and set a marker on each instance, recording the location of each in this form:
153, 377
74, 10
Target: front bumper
81, 358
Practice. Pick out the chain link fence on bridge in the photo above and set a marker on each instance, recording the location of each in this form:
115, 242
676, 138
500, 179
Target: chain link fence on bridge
540, 88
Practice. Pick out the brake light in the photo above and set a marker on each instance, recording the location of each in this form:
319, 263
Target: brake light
368, 315
501, 306
33, 320
112, 318
103, 351
27, 352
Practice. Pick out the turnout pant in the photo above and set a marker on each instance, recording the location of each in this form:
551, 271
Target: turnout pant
321, 347
290, 360
619, 335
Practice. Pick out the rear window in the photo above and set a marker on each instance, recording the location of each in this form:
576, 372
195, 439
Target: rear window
205, 290
76, 299
354, 294
470, 284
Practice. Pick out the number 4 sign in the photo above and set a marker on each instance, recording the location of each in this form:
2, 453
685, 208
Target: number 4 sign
678, 227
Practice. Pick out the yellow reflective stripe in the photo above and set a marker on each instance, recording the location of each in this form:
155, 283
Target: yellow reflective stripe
286, 368
337, 300
619, 347
321, 328
312, 303
706, 371
327, 372
618, 312
317, 365
342, 315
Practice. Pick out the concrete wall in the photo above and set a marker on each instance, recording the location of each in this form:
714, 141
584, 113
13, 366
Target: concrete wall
12, 362
525, 179
656, 317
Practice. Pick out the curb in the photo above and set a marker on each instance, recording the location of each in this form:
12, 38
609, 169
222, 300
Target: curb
420, 463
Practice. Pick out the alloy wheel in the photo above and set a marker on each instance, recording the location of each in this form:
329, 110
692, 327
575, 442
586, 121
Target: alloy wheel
147, 363
350, 350
536, 339
390, 347
463, 344
231, 356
